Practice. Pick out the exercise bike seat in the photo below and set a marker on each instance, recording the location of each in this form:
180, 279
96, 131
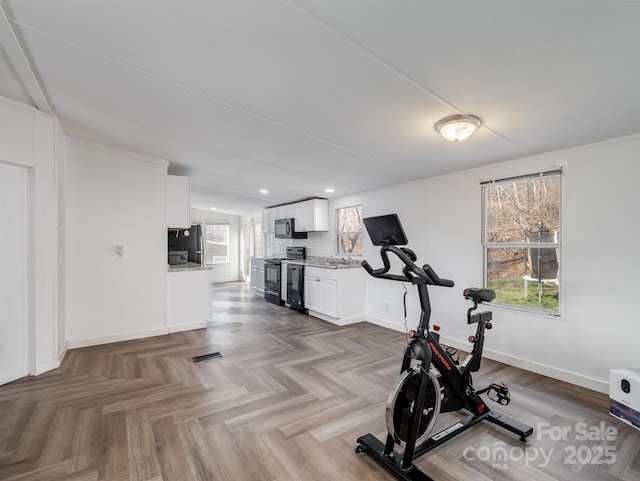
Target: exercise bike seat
479, 294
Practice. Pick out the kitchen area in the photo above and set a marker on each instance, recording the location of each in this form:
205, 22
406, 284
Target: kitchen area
323, 285
188, 282
298, 270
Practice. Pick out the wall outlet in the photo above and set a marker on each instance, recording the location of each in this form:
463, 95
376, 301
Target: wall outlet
387, 306
119, 252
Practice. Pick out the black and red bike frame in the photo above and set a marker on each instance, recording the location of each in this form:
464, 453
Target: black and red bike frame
455, 380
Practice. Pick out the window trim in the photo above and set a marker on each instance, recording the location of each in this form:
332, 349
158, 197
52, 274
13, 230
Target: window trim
546, 173
254, 238
206, 248
485, 246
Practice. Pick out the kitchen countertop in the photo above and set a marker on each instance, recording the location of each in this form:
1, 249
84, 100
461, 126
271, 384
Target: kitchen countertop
326, 263
190, 266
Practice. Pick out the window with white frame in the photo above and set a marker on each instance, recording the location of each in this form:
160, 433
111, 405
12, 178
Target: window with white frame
349, 230
217, 243
521, 240
257, 239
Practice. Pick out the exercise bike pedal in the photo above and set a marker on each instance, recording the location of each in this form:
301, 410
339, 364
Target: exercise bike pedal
502, 394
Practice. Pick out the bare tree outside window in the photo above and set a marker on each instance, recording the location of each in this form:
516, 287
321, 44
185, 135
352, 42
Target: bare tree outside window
349, 230
522, 241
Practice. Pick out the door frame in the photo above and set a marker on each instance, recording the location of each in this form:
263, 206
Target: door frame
30, 267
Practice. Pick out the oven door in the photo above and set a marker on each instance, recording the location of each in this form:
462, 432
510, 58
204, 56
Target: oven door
272, 281
295, 286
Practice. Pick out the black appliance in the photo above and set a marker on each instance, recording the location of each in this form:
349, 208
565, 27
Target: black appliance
286, 229
178, 257
295, 287
189, 240
272, 279
273, 273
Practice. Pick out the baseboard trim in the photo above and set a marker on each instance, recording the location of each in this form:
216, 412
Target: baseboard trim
388, 324
188, 327
63, 353
528, 365
47, 366
537, 367
127, 336
338, 322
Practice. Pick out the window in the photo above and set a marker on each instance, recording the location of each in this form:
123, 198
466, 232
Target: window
521, 240
217, 243
257, 239
349, 230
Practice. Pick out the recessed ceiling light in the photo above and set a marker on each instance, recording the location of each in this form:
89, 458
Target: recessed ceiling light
213, 208
329, 190
264, 191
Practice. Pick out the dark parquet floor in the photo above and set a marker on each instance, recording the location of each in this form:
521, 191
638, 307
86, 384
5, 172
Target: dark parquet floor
286, 402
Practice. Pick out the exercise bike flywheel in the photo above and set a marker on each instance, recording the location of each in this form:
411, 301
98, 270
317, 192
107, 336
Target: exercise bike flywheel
401, 404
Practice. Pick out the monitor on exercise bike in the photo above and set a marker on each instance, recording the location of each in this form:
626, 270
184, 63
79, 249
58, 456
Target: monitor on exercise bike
385, 230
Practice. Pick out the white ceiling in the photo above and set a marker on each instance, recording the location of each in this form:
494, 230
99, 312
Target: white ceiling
295, 96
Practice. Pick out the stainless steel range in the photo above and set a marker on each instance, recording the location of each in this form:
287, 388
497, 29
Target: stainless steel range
273, 273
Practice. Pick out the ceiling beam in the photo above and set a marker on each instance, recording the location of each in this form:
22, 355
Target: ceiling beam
20, 61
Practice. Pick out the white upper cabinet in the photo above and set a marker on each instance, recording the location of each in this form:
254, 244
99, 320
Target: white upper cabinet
312, 215
286, 211
268, 220
178, 202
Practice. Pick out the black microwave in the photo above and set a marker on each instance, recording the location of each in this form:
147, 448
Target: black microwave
285, 229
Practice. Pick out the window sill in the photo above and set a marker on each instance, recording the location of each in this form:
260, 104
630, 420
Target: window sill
525, 310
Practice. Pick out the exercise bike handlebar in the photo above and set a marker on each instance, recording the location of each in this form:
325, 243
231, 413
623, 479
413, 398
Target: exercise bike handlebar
411, 272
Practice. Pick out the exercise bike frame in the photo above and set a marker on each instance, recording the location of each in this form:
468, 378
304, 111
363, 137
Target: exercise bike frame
425, 347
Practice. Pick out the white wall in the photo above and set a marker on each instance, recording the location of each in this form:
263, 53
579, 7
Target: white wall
598, 329
223, 272
28, 138
114, 197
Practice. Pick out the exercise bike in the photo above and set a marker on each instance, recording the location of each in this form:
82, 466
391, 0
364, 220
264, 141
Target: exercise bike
431, 380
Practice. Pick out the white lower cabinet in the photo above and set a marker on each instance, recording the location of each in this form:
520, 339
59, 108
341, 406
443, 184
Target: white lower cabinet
257, 275
320, 295
188, 300
335, 295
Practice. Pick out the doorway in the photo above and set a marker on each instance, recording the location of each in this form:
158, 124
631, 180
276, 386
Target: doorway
14, 275
245, 240
250, 245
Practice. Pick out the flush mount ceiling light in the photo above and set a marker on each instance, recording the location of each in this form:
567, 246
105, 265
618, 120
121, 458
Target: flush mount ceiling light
458, 127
